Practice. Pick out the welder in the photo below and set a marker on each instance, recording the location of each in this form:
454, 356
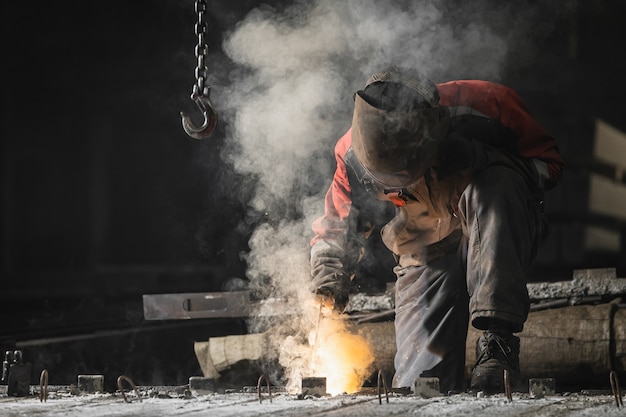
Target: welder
466, 166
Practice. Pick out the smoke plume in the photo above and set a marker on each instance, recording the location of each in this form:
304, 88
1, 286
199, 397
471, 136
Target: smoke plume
290, 99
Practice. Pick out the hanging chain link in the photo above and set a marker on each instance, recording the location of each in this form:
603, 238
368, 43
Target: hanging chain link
201, 50
201, 89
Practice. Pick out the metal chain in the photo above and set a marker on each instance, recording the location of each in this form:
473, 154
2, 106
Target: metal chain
201, 50
201, 89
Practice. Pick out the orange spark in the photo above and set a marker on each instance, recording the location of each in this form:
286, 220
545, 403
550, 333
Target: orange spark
344, 358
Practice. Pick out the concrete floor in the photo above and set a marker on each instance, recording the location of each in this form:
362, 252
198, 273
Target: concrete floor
177, 401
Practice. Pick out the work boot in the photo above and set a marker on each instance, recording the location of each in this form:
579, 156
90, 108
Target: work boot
496, 352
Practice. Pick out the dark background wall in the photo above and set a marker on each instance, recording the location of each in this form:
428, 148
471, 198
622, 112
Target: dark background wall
105, 198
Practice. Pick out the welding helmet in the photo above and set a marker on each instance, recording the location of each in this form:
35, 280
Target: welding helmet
396, 125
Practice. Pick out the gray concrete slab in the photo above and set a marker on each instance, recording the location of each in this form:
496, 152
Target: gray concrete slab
248, 404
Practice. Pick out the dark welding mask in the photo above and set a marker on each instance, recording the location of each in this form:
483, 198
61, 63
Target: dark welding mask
396, 126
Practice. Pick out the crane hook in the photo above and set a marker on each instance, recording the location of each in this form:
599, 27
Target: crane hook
209, 114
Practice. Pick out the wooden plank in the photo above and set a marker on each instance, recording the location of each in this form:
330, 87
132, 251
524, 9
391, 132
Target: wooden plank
607, 197
571, 344
610, 144
602, 239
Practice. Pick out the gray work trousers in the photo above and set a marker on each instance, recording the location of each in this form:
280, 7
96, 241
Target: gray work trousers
484, 278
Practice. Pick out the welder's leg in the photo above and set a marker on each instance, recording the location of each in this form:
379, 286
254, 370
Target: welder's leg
503, 222
431, 323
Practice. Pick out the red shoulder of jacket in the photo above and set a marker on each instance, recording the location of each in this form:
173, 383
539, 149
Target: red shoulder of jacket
343, 144
338, 200
500, 102
487, 97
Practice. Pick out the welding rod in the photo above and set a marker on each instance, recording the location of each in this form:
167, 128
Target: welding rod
317, 328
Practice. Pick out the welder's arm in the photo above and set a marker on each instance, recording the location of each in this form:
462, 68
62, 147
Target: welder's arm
329, 281
329, 246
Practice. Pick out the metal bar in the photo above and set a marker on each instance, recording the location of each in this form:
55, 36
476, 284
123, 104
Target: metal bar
196, 305
230, 304
269, 388
507, 385
123, 378
615, 387
381, 382
43, 386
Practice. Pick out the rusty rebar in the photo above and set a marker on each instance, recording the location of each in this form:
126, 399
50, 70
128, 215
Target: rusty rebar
269, 389
43, 386
507, 385
381, 381
617, 391
123, 378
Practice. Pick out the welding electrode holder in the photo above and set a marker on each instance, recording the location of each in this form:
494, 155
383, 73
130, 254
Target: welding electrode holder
333, 290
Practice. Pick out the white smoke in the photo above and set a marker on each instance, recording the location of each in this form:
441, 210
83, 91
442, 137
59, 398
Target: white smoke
290, 99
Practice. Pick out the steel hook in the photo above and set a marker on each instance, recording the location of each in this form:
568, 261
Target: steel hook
210, 117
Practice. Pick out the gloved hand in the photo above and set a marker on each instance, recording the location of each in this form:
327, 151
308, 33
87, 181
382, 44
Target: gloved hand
333, 290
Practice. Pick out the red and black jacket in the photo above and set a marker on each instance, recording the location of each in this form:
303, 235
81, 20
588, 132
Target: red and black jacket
483, 111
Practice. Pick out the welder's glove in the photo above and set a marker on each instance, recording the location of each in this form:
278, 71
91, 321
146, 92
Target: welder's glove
332, 290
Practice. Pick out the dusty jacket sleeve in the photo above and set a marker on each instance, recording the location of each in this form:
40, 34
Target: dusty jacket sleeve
329, 244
